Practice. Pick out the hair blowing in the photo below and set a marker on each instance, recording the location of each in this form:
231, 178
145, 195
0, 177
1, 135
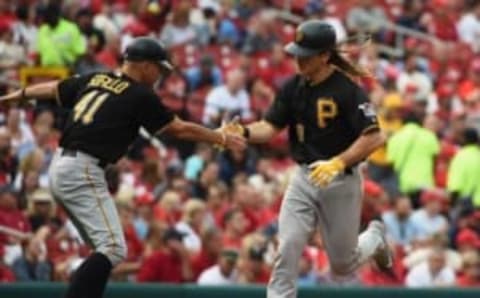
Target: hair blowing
346, 66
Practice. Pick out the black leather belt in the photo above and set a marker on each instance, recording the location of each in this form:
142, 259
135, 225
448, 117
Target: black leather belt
347, 171
73, 153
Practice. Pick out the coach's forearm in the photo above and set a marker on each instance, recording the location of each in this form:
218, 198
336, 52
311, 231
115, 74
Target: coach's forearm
40, 91
261, 132
365, 145
194, 132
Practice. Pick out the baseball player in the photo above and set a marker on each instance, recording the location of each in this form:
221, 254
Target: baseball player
332, 128
106, 112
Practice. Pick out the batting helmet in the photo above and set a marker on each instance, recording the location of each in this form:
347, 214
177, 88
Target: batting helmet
311, 38
148, 49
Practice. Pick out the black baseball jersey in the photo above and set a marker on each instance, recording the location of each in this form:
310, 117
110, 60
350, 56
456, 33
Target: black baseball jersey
323, 119
107, 110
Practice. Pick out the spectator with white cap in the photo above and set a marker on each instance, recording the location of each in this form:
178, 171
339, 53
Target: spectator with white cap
41, 209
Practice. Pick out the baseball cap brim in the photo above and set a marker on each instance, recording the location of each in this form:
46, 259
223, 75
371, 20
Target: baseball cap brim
294, 49
166, 64
163, 63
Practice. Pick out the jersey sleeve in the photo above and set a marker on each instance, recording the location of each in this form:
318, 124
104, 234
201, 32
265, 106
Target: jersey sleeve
360, 112
279, 112
153, 115
68, 90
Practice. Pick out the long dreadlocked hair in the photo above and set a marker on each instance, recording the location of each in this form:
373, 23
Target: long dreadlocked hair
343, 64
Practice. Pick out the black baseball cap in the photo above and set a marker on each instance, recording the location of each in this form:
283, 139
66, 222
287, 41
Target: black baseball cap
173, 234
312, 37
256, 253
470, 135
148, 49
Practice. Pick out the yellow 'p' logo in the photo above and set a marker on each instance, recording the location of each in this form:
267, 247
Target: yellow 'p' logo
326, 109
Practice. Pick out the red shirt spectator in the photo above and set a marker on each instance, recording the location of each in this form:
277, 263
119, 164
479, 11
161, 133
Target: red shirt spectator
447, 151
168, 209
10, 216
235, 225
467, 240
262, 277
253, 219
373, 201
110, 55
321, 260
471, 85
59, 250
208, 255
168, 263
254, 269
202, 261
276, 69
6, 275
441, 22
7, 18
161, 266
267, 216
467, 281
134, 244
231, 242
470, 276
154, 13
371, 276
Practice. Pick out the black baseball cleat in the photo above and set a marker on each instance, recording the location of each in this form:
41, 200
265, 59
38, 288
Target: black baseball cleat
383, 255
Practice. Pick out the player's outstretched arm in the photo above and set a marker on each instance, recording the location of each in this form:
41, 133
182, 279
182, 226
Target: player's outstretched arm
39, 91
193, 132
256, 133
261, 132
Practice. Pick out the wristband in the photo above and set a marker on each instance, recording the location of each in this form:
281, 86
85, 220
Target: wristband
22, 94
224, 140
246, 132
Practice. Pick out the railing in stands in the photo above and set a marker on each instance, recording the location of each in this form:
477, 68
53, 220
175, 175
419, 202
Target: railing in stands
401, 33
151, 290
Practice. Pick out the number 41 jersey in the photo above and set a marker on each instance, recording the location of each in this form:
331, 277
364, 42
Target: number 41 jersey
106, 112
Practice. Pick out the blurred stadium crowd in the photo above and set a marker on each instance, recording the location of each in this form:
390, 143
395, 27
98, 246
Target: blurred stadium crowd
193, 214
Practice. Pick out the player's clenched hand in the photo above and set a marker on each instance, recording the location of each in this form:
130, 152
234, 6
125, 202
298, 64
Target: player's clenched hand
323, 172
233, 133
234, 142
233, 127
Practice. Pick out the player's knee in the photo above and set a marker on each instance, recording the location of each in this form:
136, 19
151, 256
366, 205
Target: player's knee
291, 242
116, 253
341, 267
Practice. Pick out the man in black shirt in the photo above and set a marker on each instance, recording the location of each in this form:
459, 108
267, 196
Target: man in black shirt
106, 113
332, 128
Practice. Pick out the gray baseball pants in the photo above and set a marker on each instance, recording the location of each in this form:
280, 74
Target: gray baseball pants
78, 185
335, 210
